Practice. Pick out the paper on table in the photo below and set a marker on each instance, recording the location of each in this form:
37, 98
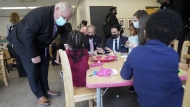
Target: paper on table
124, 56
114, 72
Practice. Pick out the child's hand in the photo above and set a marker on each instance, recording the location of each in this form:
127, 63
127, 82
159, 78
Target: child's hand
131, 45
127, 43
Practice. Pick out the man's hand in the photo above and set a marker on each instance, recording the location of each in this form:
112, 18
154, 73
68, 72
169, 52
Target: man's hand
111, 51
36, 60
100, 50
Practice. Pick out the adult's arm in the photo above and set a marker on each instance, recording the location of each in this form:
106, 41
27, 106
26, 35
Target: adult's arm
99, 40
32, 27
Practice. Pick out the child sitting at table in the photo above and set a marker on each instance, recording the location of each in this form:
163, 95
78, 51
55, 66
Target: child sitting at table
133, 39
78, 58
154, 66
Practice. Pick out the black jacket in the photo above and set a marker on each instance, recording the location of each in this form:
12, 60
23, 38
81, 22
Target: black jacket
96, 42
176, 5
113, 20
34, 32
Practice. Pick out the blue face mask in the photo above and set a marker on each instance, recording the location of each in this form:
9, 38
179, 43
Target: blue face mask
60, 21
136, 24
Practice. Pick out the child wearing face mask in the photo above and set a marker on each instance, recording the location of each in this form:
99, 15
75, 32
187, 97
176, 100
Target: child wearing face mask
133, 39
78, 58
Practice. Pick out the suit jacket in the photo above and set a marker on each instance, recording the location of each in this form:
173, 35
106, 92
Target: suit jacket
34, 32
96, 42
176, 5
109, 44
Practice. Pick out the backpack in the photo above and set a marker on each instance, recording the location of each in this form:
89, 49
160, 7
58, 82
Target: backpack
187, 14
106, 26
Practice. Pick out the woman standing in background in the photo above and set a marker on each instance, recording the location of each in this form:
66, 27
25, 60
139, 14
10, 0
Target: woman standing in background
84, 27
14, 18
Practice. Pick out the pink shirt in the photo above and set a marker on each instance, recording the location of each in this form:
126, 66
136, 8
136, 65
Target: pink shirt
78, 69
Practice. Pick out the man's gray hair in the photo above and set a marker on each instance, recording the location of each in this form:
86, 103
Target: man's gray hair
92, 27
64, 6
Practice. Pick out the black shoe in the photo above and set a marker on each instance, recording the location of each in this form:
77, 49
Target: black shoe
131, 89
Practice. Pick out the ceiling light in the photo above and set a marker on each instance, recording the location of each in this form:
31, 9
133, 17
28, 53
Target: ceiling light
13, 8
33, 7
73, 6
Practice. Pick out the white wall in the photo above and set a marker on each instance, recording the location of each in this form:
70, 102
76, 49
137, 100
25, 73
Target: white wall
125, 8
80, 13
3, 29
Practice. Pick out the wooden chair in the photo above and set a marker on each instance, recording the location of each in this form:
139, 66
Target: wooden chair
74, 94
184, 52
186, 97
175, 45
3, 71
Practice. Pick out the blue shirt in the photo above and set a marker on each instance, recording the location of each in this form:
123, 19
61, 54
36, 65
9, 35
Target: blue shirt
154, 68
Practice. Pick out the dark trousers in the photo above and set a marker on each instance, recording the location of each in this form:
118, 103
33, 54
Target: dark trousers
19, 65
37, 74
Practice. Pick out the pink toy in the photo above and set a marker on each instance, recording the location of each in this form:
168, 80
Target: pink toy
104, 72
96, 64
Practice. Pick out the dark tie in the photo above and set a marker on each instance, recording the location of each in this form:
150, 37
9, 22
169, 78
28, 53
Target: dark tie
116, 44
54, 31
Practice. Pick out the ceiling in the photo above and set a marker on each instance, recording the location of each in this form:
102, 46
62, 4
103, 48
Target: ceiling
29, 3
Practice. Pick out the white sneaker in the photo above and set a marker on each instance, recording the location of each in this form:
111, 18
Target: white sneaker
61, 74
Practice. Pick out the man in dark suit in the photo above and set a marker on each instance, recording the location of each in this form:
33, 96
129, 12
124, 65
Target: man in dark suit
179, 7
111, 16
93, 40
116, 42
31, 38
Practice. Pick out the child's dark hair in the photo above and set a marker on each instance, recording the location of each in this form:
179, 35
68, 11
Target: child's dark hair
132, 26
164, 25
84, 22
117, 26
76, 42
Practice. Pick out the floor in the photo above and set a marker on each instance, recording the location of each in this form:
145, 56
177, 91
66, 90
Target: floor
18, 93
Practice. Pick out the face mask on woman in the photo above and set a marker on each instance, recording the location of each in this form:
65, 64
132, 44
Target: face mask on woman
136, 24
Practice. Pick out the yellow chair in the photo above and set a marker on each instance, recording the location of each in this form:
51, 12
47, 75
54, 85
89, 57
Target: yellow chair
74, 94
175, 45
184, 52
186, 97
3, 71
